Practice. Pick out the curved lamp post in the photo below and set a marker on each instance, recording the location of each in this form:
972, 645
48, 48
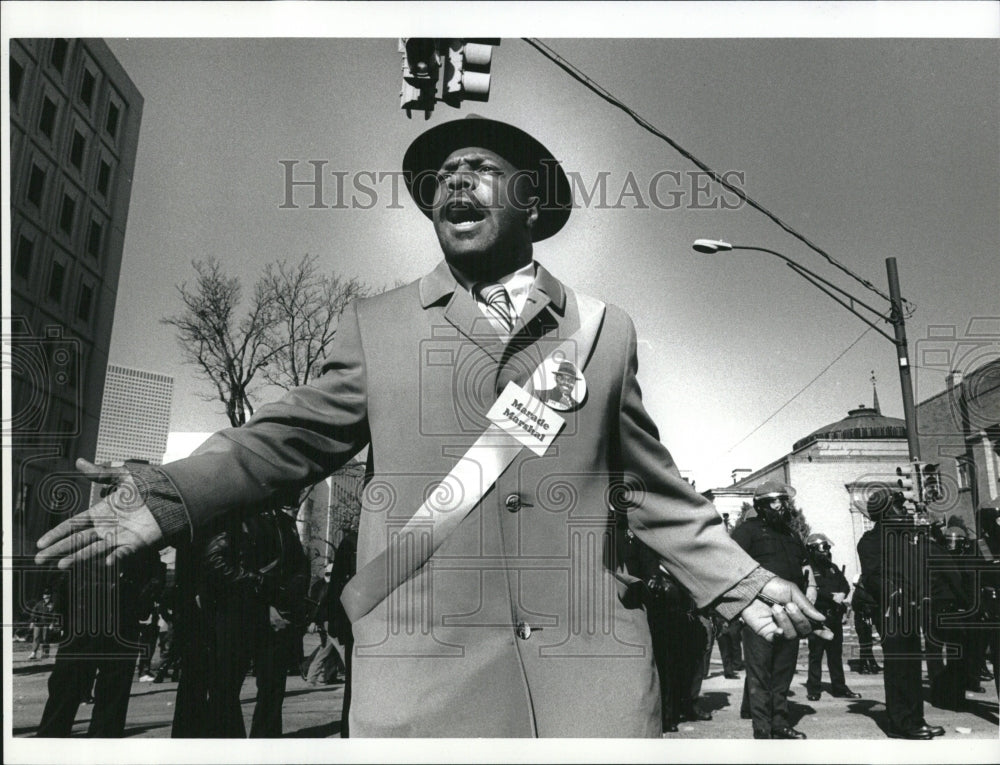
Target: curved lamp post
894, 316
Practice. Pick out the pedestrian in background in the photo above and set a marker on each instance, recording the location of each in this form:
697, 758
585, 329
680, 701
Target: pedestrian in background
988, 552
104, 605
678, 639
832, 590
728, 636
865, 609
769, 539
322, 666
250, 581
893, 559
338, 624
43, 621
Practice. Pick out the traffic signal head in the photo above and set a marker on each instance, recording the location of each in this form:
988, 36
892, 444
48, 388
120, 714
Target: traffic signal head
931, 482
908, 483
421, 65
467, 70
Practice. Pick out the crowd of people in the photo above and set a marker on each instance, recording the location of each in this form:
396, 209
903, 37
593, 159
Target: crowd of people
238, 605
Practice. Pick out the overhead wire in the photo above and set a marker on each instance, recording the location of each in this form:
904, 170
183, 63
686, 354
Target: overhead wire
603, 93
801, 391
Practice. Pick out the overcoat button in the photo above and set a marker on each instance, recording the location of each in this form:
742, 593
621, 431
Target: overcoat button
512, 503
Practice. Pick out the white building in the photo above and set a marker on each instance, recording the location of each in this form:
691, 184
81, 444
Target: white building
832, 470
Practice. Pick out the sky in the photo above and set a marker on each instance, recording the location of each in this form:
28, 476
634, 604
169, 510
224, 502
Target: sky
871, 148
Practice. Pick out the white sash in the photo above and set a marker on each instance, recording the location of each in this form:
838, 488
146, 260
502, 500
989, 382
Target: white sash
462, 489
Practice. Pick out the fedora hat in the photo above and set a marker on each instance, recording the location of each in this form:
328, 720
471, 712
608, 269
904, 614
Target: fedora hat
428, 151
567, 368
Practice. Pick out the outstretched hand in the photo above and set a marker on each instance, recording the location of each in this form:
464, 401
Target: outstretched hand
782, 610
117, 526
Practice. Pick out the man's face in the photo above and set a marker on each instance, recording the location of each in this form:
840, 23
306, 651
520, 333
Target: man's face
483, 212
565, 382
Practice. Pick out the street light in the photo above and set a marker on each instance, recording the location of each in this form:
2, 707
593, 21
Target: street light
894, 316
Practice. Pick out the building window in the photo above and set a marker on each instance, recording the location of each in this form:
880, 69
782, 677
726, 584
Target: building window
94, 239
112, 122
36, 185
58, 56
66, 214
86, 299
87, 87
103, 178
16, 80
47, 120
76, 149
22, 260
56, 279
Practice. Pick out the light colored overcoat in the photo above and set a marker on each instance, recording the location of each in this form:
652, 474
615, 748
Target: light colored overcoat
519, 625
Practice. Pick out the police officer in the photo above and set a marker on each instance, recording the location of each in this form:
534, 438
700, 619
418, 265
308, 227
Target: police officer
831, 600
988, 552
769, 539
892, 559
945, 640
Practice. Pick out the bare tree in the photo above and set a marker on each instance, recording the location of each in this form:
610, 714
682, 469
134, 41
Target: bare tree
282, 338
228, 351
307, 308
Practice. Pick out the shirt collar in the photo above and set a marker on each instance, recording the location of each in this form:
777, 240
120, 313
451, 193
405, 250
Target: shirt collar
442, 282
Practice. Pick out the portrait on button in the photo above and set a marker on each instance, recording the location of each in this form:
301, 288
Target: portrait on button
567, 388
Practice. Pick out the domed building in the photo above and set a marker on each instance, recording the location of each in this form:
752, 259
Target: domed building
832, 470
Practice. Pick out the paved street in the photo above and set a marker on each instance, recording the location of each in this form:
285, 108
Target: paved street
315, 711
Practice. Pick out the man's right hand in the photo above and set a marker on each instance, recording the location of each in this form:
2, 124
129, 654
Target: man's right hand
782, 610
115, 527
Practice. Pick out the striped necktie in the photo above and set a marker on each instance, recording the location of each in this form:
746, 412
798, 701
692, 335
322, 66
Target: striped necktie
497, 302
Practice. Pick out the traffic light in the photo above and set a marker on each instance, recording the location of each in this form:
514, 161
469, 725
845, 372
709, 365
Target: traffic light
466, 65
421, 65
908, 483
467, 70
931, 482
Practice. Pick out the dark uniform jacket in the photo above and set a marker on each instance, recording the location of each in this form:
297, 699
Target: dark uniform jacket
779, 550
893, 563
829, 581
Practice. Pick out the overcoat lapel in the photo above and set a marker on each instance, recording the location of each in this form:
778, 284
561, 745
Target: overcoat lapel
461, 311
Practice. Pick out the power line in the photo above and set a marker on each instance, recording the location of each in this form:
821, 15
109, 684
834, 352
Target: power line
803, 390
582, 78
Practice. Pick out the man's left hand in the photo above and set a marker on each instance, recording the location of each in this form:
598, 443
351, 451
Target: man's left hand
788, 616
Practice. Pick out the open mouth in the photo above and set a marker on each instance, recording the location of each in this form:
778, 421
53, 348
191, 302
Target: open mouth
463, 212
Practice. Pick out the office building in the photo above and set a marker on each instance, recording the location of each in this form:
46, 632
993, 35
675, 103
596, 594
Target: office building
74, 130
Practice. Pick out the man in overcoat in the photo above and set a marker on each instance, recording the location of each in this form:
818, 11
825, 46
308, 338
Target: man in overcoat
490, 598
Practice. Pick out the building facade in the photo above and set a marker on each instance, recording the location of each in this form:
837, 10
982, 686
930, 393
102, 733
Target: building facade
332, 507
833, 470
960, 431
74, 130
135, 416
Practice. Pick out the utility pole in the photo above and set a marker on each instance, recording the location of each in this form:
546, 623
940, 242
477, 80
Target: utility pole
905, 381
